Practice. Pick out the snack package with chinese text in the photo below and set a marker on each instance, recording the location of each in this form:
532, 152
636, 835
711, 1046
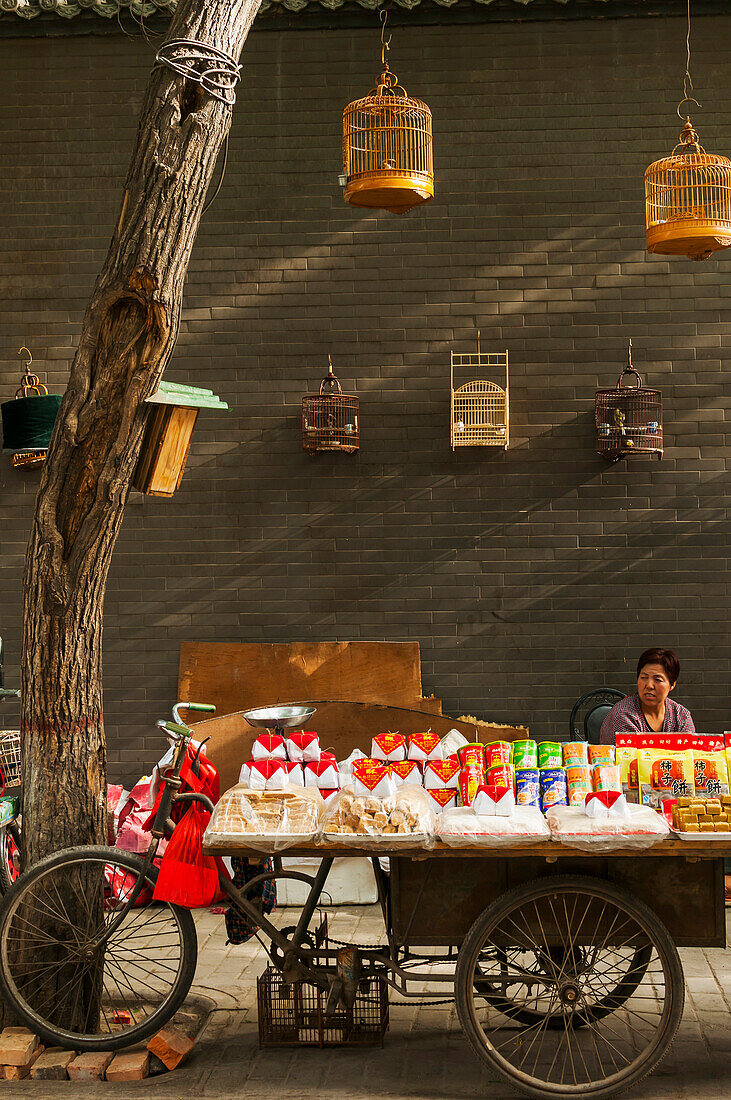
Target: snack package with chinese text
626, 757
710, 767
665, 768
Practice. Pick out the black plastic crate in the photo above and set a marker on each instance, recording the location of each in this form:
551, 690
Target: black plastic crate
294, 1014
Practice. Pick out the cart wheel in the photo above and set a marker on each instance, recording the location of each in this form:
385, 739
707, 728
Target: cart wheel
597, 974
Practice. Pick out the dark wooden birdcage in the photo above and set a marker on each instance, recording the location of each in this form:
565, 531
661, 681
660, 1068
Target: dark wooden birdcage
688, 200
330, 418
628, 418
387, 146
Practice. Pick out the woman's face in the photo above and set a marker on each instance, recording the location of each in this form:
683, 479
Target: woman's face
653, 685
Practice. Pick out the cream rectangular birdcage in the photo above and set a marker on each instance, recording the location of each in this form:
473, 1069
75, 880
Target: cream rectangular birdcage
480, 413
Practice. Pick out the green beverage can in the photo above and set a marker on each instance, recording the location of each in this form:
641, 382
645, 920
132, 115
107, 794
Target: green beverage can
525, 754
550, 754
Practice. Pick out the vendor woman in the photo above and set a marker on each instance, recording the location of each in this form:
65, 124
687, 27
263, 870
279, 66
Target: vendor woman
650, 709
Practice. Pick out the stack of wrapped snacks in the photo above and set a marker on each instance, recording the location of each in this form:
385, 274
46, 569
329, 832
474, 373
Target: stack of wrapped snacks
703, 815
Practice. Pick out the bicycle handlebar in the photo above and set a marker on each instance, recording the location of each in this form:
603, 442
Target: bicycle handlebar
208, 708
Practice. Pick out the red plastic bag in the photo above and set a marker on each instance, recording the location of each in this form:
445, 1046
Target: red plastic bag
186, 876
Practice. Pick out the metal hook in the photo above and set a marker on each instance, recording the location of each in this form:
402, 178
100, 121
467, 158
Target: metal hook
30, 357
330, 362
385, 42
687, 99
629, 353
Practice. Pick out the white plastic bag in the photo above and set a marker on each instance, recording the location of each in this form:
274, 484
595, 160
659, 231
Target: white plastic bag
452, 741
463, 828
265, 821
569, 825
401, 820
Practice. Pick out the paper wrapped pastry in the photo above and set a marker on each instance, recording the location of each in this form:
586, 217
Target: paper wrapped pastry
295, 772
406, 771
388, 747
303, 746
441, 773
269, 775
604, 804
425, 746
266, 821
372, 777
322, 773
442, 798
642, 828
491, 801
268, 746
463, 828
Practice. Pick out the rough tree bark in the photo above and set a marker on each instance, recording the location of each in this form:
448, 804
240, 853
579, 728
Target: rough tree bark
128, 335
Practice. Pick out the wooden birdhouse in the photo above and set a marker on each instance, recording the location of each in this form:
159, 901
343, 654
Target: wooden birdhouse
479, 409
28, 420
168, 435
628, 418
330, 418
688, 200
387, 147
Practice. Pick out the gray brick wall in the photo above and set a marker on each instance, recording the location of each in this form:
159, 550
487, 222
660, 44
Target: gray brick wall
528, 576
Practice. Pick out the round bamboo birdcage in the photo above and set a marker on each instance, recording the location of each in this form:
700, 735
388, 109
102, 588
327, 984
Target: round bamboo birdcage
387, 148
688, 200
628, 419
330, 418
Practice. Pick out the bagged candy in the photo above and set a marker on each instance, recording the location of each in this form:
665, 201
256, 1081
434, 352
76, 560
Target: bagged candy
578, 783
388, 747
665, 773
602, 754
606, 777
372, 777
406, 771
425, 746
710, 768
575, 754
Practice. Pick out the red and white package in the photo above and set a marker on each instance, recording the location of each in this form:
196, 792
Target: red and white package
439, 774
322, 773
372, 777
329, 795
407, 771
425, 746
388, 747
604, 804
494, 801
303, 746
442, 798
267, 775
295, 772
268, 746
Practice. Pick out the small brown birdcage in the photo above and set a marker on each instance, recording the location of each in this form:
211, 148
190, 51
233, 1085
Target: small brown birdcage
330, 418
387, 146
480, 409
688, 200
628, 418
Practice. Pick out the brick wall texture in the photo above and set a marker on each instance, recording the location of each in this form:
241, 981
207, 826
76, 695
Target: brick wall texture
529, 576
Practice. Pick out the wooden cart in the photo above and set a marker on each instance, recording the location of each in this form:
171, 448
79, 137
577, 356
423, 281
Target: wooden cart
564, 965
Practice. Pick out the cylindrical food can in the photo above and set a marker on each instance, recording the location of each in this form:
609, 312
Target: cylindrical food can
499, 752
550, 755
575, 754
472, 756
602, 754
525, 755
553, 788
527, 787
469, 781
606, 777
578, 784
502, 775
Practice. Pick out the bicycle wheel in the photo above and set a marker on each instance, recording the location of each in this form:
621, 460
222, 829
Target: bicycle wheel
586, 1039
73, 975
9, 855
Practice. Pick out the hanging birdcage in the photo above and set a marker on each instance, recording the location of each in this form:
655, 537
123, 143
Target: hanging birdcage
688, 201
330, 418
387, 146
28, 419
479, 409
628, 418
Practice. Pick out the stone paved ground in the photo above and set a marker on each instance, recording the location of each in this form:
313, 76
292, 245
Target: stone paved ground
425, 1056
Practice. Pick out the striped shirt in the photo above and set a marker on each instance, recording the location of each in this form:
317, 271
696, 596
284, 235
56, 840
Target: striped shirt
626, 717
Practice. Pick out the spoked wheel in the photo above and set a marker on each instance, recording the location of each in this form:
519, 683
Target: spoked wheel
9, 855
83, 971
569, 986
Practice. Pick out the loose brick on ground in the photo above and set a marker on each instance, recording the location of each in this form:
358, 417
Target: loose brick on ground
90, 1066
17, 1044
53, 1065
17, 1073
171, 1046
129, 1065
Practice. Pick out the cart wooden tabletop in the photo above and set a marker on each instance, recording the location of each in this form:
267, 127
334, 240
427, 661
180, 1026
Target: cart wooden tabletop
549, 849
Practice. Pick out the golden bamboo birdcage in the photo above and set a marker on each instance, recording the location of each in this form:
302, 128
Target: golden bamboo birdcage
330, 418
688, 194
387, 146
479, 409
628, 419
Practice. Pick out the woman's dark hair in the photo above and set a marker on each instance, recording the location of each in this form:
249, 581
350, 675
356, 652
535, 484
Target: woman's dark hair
665, 657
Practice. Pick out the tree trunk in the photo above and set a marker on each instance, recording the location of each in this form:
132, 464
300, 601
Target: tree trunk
129, 332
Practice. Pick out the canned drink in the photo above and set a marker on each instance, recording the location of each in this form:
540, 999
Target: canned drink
470, 779
472, 756
525, 755
602, 754
527, 787
550, 755
575, 754
606, 777
553, 788
578, 784
499, 752
502, 775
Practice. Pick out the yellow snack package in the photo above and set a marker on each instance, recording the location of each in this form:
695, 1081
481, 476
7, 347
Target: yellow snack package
626, 757
665, 773
710, 766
